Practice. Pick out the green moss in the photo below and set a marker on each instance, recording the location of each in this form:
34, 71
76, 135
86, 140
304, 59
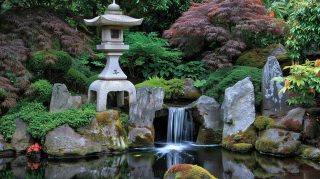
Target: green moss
223, 78
173, 88
241, 141
258, 57
265, 145
50, 60
311, 153
181, 171
40, 122
209, 136
264, 122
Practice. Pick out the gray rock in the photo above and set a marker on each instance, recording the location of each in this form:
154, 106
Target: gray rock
106, 130
207, 112
190, 92
63, 141
238, 110
294, 119
278, 142
311, 128
18, 166
233, 169
274, 103
21, 139
5, 149
142, 114
311, 153
61, 99
278, 50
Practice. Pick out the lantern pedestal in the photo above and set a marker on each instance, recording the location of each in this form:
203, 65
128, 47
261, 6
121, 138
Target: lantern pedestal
99, 89
112, 71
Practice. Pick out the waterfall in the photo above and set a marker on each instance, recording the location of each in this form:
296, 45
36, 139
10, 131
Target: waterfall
180, 125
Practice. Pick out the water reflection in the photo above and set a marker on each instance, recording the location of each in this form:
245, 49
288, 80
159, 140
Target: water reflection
150, 164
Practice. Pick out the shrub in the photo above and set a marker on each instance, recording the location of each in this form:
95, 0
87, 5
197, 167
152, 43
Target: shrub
221, 32
304, 37
193, 69
172, 88
149, 56
124, 121
3, 94
49, 62
264, 122
76, 80
40, 122
223, 78
41, 90
303, 83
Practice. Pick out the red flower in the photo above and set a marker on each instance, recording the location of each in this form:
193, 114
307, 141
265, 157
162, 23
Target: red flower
34, 148
272, 14
313, 91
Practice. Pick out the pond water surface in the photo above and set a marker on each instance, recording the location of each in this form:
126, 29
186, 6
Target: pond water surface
152, 163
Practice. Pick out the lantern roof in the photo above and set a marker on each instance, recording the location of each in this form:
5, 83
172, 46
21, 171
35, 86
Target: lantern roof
113, 17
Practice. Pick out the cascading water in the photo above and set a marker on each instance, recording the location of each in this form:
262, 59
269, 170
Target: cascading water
180, 125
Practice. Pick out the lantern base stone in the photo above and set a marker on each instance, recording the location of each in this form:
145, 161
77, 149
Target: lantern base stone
99, 89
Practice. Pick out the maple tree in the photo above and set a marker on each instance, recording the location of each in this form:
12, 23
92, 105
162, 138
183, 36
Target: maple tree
220, 30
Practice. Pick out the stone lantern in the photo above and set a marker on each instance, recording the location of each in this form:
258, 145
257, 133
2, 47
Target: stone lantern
112, 78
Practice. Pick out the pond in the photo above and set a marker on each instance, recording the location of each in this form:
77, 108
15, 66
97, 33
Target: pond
153, 162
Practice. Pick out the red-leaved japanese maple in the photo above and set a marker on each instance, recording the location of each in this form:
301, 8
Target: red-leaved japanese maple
220, 30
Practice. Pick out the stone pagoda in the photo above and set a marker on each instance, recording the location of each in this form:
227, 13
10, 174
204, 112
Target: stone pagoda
112, 78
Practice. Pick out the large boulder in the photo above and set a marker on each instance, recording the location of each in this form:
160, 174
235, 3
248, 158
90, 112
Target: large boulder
63, 141
238, 110
106, 129
311, 129
142, 114
187, 171
61, 99
189, 90
5, 148
274, 103
293, 120
21, 139
207, 112
278, 142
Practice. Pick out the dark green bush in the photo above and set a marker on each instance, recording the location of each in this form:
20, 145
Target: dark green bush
150, 56
193, 69
223, 78
41, 90
172, 88
3, 94
48, 62
76, 80
40, 122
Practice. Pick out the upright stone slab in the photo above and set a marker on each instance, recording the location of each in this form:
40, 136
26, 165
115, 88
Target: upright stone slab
21, 139
238, 110
207, 112
142, 114
274, 103
61, 99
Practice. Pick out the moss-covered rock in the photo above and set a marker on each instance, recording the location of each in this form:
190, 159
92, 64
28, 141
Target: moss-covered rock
309, 152
141, 137
264, 122
258, 57
107, 130
187, 171
209, 136
278, 142
241, 142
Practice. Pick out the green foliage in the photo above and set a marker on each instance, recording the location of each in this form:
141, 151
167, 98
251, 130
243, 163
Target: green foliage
264, 122
192, 69
3, 94
223, 78
304, 35
150, 56
40, 122
172, 88
47, 63
41, 90
200, 84
124, 118
303, 83
76, 80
